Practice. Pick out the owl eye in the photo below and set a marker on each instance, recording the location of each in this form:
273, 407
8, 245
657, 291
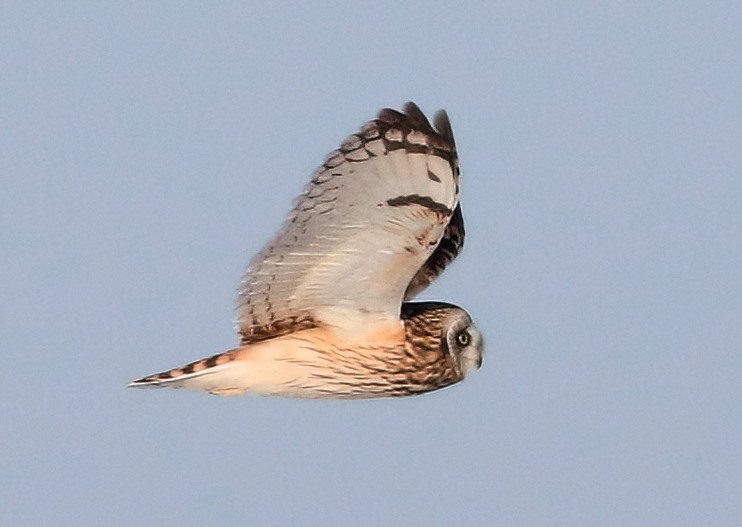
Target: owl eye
463, 338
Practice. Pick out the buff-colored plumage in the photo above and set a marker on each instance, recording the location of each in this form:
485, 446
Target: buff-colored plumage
322, 310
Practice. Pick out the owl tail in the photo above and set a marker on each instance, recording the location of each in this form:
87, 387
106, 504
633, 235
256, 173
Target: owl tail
211, 375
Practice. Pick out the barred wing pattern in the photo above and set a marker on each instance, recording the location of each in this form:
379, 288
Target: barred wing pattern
378, 222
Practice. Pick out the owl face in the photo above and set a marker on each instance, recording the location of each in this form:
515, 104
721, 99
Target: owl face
444, 331
463, 341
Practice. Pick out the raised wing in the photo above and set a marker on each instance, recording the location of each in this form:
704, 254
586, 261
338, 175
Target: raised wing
366, 233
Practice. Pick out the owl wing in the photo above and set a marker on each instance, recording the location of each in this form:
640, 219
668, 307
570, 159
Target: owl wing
448, 249
378, 222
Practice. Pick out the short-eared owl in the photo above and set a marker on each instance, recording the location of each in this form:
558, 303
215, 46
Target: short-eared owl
323, 309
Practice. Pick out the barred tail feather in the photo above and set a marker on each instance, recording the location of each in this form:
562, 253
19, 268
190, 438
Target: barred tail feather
211, 375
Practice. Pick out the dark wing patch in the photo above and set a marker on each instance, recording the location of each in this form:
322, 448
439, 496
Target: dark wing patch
423, 201
449, 247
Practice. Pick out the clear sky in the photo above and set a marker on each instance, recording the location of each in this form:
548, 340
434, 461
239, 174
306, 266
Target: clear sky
148, 149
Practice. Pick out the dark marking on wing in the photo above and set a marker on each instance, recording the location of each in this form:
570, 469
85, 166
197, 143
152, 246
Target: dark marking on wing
448, 248
276, 328
417, 199
438, 141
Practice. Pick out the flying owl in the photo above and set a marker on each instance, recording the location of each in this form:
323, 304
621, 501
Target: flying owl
323, 310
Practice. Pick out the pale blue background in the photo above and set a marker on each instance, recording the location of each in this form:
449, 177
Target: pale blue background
148, 149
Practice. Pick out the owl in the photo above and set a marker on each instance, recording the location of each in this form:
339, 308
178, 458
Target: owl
324, 309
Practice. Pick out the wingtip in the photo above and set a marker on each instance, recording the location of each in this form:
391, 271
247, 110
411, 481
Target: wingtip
414, 117
443, 125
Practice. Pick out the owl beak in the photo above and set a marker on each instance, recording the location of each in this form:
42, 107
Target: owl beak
472, 362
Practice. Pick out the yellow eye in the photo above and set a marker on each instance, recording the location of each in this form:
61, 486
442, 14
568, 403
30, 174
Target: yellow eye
463, 338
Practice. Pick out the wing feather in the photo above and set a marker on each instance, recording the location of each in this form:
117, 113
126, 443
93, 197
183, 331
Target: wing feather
447, 250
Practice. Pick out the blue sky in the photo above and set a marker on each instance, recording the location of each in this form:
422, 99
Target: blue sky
147, 150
